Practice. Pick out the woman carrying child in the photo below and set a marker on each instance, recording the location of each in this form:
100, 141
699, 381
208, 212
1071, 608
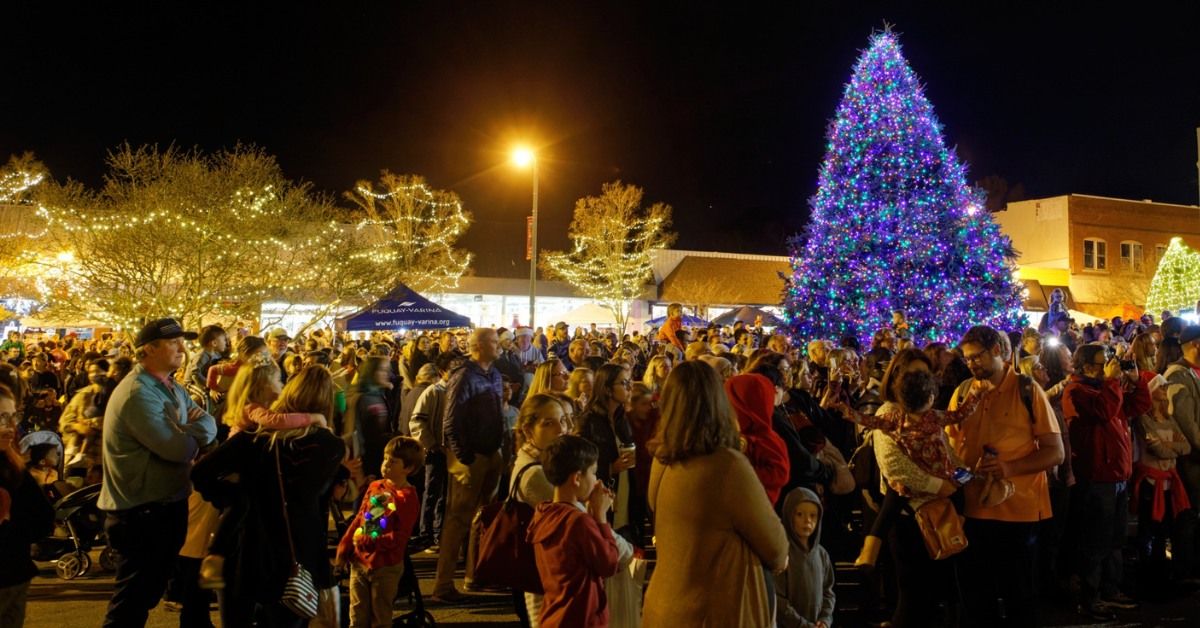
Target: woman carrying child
277, 530
916, 466
255, 387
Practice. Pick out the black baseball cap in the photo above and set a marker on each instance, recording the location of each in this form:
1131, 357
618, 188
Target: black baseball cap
162, 329
1189, 334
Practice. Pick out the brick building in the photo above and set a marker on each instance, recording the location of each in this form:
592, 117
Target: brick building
1102, 251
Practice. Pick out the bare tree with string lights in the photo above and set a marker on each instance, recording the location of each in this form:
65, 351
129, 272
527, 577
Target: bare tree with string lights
612, 236
411, 230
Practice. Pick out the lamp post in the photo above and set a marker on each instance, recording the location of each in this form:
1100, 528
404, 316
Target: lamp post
523, 157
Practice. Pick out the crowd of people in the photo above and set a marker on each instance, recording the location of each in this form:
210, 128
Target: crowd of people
702, 476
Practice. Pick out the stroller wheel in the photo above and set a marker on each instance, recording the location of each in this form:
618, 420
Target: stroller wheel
429, 620
108, 559
71, 566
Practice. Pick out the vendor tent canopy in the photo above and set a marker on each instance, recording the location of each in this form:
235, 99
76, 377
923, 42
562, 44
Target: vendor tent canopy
61, 323
688, 321
748, 315
401, 309
587, 314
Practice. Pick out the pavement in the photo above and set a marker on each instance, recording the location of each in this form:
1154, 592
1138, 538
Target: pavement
56, 603
80, 603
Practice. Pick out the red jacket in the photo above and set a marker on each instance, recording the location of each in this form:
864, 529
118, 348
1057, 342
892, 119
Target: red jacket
1101, 450
753, 399
378, 536
574, 555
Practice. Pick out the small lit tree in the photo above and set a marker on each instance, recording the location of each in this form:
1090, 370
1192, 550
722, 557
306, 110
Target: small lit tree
1176, 283
612, 236
411, 230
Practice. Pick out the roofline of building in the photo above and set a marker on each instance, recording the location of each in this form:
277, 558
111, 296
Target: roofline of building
1128, 200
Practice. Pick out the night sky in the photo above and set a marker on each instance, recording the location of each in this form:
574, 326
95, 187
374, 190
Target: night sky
718, 110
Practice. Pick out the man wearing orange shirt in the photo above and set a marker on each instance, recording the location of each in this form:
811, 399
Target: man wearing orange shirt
998, 564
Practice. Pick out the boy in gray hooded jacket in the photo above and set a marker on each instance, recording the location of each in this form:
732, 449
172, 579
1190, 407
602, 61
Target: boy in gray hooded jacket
804, 591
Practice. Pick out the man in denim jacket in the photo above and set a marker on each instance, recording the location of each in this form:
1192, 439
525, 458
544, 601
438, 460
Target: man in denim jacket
152, 432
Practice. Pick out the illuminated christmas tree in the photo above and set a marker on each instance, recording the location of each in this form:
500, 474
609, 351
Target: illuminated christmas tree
894, 225
1176, 283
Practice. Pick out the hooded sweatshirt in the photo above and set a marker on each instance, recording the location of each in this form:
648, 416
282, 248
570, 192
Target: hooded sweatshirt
753, 399
804, 592
574, 555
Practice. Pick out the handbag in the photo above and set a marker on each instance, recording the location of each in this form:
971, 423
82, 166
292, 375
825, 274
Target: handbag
505, 556
942, 528
299, 594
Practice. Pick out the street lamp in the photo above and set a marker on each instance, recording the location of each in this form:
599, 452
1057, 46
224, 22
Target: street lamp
524, 157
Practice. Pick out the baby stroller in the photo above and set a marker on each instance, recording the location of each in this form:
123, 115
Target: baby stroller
78, 527
418, 617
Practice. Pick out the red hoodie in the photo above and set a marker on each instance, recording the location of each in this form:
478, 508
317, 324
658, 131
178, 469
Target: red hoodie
753, 399
574, 555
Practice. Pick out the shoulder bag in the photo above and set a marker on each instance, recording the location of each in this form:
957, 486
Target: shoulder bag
505, 556
299, 594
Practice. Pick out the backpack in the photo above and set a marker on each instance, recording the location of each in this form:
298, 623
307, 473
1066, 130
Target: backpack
1024, 387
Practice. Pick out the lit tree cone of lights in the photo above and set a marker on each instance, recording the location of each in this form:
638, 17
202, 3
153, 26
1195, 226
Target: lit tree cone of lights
894, 225
1176, 283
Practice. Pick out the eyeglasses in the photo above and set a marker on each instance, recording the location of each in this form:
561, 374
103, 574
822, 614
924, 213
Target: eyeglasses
558, 374
976, 357
11, 419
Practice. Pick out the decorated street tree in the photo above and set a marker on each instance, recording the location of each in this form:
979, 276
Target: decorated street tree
201, 237
411, 231
894, 225
1176, 283
20, 227
612, 236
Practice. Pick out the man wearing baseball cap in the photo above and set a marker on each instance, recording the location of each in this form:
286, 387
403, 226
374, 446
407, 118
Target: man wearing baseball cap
1183, 389
152, 432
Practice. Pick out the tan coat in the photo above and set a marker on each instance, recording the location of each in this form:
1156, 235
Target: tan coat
715, 529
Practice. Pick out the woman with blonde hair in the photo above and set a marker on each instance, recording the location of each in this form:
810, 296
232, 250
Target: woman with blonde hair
256, 386
278, 529
657, 371
550, 376
710, 559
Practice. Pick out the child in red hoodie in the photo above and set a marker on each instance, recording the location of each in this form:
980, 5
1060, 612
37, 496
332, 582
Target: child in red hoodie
573, 544
377, 540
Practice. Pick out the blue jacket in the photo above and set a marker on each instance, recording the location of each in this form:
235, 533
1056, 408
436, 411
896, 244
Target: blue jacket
473, 423
148, 444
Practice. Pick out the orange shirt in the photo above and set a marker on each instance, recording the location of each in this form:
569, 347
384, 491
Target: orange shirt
1003, 422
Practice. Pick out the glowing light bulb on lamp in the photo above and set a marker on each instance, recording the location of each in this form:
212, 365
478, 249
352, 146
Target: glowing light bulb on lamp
522, 157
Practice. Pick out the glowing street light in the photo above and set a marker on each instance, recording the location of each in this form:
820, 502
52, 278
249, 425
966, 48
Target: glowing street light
524, 157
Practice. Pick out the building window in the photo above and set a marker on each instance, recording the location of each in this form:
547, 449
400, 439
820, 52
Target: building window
1131, 256
1160, 251
1095, 254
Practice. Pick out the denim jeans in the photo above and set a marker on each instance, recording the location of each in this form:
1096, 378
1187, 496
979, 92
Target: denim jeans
433, 502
